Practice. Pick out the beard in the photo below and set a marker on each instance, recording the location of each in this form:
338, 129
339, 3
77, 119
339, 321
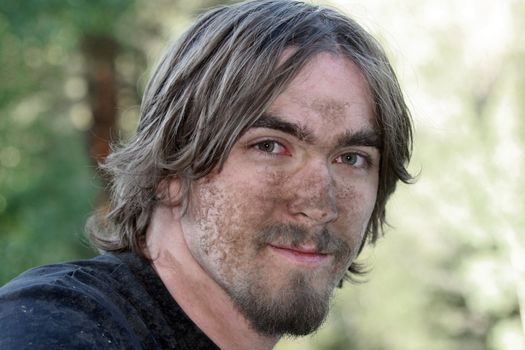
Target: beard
297, 308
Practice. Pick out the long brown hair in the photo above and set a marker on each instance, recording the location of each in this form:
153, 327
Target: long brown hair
214, 82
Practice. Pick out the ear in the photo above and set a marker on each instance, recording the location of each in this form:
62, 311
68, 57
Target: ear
169, 191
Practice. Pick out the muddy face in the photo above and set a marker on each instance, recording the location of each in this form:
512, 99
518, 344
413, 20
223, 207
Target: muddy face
280, 224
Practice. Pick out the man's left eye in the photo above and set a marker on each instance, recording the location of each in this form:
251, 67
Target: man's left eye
353, 159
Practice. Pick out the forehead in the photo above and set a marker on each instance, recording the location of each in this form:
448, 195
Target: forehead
329, 93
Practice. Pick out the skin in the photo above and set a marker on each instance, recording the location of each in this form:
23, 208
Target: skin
311, 162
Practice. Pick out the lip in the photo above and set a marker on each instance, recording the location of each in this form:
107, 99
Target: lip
301, 256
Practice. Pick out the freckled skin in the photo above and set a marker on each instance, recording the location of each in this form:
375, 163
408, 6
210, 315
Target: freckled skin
307, 187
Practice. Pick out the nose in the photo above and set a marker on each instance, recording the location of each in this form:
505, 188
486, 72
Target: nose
314, 195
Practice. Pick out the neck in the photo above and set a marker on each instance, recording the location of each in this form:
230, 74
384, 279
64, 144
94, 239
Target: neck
201, 298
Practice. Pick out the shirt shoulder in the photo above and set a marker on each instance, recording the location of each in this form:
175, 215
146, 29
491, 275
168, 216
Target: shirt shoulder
66, 306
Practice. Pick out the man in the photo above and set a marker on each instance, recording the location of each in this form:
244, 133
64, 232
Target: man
271, 137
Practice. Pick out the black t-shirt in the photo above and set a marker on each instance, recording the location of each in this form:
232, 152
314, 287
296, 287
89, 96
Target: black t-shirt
113, 301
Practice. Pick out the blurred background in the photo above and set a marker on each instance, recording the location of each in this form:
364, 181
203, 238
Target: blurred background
450, 273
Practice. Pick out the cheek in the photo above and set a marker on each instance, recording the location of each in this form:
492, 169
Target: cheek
214, 230
228, 211
226, 214
360, 194
355, 206
358, 198
265, 194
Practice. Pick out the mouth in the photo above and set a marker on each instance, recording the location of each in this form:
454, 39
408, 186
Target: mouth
301, 256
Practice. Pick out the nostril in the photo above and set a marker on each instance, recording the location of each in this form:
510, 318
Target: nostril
321, 214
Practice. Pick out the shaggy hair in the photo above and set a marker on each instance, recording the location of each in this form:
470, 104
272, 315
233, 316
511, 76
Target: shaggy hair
216, 80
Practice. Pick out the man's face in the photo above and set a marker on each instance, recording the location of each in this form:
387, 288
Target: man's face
278, 226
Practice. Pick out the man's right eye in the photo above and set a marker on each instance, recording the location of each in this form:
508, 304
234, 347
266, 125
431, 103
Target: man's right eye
271, 147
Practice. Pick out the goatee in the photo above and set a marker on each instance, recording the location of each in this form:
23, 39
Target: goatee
297, 309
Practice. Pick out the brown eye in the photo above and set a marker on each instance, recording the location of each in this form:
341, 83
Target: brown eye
271, 147
266, 146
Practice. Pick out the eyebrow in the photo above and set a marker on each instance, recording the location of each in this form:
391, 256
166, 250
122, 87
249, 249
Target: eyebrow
274, 122
368, 137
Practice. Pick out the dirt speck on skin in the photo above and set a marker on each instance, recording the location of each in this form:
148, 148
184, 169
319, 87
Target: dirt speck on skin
332, 111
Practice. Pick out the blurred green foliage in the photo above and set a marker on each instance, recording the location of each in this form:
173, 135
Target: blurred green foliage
449, 275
